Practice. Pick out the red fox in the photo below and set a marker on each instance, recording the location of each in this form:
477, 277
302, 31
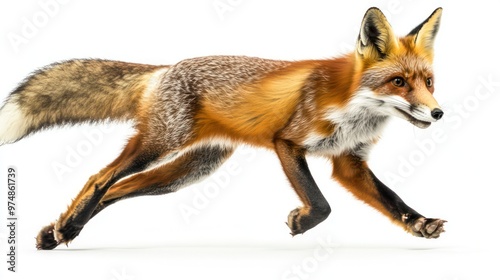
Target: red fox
191, 116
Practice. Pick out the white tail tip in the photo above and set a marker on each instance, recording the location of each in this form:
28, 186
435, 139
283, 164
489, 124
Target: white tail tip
13, 124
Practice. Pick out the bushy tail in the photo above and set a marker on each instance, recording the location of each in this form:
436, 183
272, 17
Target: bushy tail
75, 91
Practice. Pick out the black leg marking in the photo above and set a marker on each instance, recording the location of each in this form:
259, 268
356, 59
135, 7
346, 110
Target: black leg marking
416, 224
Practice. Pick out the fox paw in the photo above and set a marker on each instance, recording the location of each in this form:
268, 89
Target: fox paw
294, 222
428, 228
301, 220
46, 239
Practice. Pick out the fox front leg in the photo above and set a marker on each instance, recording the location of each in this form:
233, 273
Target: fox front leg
315, 208
353, 173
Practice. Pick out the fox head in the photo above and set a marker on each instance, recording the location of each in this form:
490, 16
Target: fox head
398, 70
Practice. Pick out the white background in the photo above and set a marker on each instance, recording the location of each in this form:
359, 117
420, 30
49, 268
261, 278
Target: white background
235, 228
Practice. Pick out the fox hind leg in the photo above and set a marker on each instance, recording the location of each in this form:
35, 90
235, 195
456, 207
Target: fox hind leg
191, 166
134, 158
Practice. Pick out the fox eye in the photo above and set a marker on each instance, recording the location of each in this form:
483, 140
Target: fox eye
398, 82
428, 82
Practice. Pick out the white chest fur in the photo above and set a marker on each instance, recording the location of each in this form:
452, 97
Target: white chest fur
357, 126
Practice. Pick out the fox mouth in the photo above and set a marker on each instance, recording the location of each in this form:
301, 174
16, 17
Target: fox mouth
416, 122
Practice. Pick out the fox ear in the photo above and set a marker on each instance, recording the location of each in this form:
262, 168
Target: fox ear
376, 37
425, 33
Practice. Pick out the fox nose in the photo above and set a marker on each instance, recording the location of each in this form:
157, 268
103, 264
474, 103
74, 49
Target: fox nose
437, 113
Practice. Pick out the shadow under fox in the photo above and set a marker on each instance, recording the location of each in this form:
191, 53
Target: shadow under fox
191, 116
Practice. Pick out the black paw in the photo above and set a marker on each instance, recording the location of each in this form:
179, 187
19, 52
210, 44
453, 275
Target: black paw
294, 222
45, 239
428, 228
301, 220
